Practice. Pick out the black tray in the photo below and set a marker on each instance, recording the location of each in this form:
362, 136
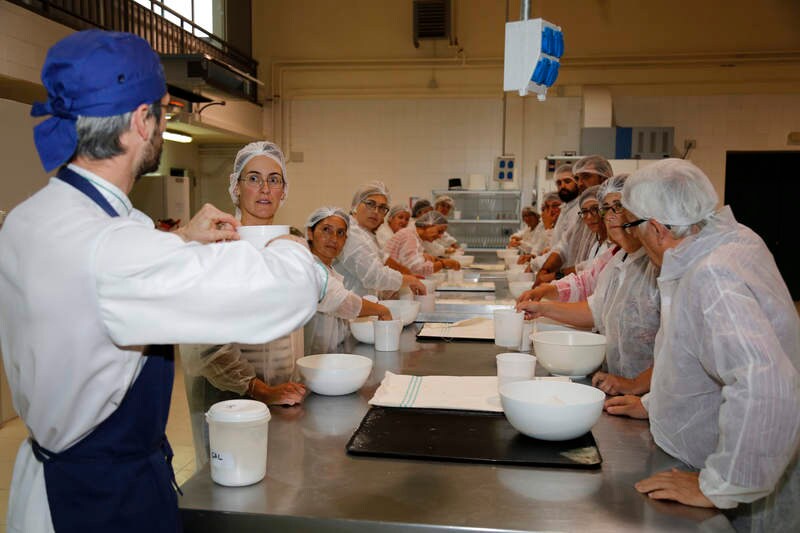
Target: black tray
464, 436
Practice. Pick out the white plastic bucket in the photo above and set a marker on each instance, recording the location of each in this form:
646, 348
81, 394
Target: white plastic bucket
237, 434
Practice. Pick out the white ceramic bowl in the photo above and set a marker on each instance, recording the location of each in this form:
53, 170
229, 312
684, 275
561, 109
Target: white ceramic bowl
516, 288
405, 310
464, 260
510, 260
506, 251
569, 353
515, 269
548, 324
520, 276
551, 410
363, 329
334, 374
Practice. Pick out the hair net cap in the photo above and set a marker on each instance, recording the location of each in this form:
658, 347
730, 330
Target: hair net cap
589, 194
611, 185
551, 197
418, 206
431, 218
368, 189
444, 199
593, 164
396, 210
327, 211
92, 73
672, 191
255, 149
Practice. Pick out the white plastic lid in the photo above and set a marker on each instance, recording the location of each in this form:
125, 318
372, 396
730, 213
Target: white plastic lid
238, 411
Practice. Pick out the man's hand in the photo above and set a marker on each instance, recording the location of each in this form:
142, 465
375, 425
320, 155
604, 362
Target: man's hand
210, 225
676, 485
627, 405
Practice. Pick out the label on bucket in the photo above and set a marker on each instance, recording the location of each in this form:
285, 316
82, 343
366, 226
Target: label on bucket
222, 460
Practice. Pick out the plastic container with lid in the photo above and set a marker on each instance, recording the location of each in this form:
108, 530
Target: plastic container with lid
237, 434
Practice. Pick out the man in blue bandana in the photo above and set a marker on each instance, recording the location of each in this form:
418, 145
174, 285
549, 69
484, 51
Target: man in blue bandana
94, 296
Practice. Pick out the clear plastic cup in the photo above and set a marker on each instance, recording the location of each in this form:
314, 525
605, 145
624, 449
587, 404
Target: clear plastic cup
387, 335
508, 327
514, 367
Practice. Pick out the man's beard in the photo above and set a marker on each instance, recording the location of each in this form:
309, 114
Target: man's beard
152, 157
567, 195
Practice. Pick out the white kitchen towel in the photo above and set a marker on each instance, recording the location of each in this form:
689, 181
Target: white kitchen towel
468, 393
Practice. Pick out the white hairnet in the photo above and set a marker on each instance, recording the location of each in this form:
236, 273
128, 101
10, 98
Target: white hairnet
444, 199
672, 191
418, 206
327, 211
529, 210
614, 184
549, 197
369, 189
592, 193
431, 218
254, 149
563, 169
396, 210
593, 164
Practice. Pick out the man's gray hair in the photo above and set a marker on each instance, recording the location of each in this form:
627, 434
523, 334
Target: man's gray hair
98, 137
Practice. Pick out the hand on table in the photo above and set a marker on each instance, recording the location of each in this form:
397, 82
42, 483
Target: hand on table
627, 405
451, 264
210, 225
284, 394
676, 485
613, 385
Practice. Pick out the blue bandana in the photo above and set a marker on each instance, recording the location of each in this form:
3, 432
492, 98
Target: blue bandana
92, 73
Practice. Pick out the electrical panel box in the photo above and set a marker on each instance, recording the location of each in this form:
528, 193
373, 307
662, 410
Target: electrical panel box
628, 143
504, 170
532, 56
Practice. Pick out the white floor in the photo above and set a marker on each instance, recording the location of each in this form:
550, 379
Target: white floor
179, 432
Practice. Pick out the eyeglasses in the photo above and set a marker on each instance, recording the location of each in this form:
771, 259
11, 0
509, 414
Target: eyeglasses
589, 211
616, 207
374, 206
634, 223
256, 182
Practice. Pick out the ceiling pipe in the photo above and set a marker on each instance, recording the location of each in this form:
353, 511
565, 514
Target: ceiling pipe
525, 10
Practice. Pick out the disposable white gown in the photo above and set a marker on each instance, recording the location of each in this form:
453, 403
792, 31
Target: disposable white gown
725, 389
434, 248
560, 239
383, 234
330, 327
362, 264
406, 248
625, 308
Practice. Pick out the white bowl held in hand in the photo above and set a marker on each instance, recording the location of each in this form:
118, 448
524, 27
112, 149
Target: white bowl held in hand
464, 260
551, 410
516, 288
334, 374
520, 275
569, 353
363, 329
405, 310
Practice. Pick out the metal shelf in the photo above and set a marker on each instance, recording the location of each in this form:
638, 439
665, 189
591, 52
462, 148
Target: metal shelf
485, 192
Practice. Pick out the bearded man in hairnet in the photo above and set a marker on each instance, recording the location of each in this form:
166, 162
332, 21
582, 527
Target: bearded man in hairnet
94, 397
725, 389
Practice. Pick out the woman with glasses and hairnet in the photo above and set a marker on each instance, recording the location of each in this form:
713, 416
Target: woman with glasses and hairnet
258, 186
617, 296
405, 246
396, 219
326, 229
725, 390
365, 267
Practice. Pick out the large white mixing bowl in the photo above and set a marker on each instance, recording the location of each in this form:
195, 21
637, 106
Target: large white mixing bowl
363, 329
405, 310
334, 374
569, 353
551, 410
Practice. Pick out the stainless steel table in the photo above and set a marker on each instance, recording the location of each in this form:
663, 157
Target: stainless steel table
313, 485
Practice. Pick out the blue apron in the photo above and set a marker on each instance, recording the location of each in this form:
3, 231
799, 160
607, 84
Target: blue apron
119, 478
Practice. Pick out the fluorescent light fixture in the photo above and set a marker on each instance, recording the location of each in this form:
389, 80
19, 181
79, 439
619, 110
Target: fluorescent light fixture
177, 137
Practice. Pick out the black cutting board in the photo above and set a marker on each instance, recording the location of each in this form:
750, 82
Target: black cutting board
464, 436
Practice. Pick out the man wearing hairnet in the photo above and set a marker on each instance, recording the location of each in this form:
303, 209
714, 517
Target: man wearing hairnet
725, 389
365, 267
95, 398
573, 245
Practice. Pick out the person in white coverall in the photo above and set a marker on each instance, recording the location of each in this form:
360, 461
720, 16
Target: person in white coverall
94, 397
396, 219
725, 388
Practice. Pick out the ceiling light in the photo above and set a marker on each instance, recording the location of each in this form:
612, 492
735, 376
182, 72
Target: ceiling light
176, 137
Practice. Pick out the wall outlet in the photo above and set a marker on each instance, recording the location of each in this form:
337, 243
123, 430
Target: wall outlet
689, 144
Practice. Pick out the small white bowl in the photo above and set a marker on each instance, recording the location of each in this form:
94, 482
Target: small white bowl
405, 310
334, 374
464, 260
551, 410
516, 288
363, 329
569, 353
520, 276
506, 251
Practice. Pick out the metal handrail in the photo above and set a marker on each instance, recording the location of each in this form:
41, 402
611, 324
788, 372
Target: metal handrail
163, 35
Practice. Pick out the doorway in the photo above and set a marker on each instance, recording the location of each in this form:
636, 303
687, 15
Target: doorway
760, 188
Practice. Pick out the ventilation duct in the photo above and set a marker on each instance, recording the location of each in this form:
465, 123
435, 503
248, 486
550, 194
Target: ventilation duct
432, 20
195, 72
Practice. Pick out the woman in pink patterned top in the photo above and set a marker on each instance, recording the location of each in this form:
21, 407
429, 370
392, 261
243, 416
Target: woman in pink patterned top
405, 246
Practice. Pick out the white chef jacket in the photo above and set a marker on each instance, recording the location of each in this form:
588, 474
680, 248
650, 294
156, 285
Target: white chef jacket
568, 219
361, 262
84, 292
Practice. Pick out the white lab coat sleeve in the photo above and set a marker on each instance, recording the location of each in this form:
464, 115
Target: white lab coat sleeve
338, 301
759, 422
153, 288
363, 260
223, 366
434, 248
